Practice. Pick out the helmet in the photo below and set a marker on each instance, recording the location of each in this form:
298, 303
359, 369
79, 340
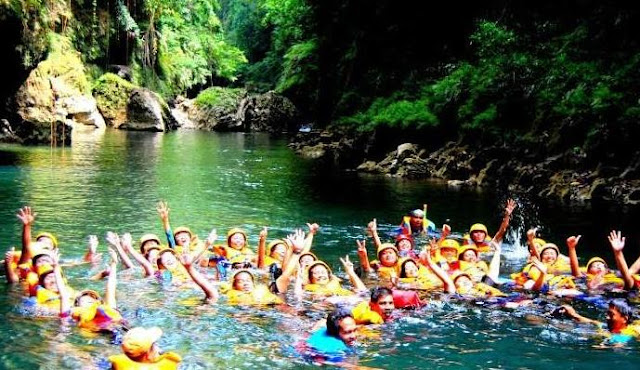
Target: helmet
276, 242
468, 247
416, 213
384, 246
148, 237
236, 230
50, 236
182, 229
450, 243
404, 237
550, 246
89, 292
478, 227
596, 259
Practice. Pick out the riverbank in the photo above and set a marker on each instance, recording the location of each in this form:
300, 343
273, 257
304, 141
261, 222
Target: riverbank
570, 176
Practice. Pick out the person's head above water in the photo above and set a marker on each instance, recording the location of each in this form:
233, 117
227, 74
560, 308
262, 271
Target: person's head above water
478, 233
139, 344
619, 315
416, 218
382, 301
319, 273
236, 238
342, 325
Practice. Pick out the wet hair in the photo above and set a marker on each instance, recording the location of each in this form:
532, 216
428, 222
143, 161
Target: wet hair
622, 307
333, 321
378, 292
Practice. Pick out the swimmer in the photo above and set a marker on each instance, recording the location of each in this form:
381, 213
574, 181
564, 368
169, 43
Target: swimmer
378, 310
141, 351
620, 329
596, 272
479, 235
386, 266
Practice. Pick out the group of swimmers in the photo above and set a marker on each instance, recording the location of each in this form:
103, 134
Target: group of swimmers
400, 277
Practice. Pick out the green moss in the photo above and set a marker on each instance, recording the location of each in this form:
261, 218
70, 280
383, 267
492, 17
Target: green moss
63, 63
219, 96
112, 94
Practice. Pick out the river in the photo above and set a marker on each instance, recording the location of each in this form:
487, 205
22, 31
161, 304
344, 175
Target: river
112, 180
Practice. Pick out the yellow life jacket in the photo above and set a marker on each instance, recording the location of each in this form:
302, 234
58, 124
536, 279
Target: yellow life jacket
333, 287
608, 278
166, 361
96, 317
230, 253
260, 295
477, 270
268, 261
363, 314
384, 272
484, 290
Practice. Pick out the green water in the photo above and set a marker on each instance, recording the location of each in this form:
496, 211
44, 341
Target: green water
112, 181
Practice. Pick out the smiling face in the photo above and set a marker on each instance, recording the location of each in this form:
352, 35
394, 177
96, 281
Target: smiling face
416, 223
243, 281
410, 270
450, 254
182, 238
237, 241
478, 236
49, 283
404, 245
319, 275
386, 305
597, 268
549, 256
278, 251
469, 256
306, 260
168, 260
615, 320
388, 257
347, 331
86, 301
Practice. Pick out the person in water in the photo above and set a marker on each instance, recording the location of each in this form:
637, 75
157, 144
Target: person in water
416, 222
619, 325
141, 351
386, 266
332, 342
479, 234
378, 310
596, 272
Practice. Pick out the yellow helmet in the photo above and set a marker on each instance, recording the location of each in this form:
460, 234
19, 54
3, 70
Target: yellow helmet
145, 238
550, 246
314, 264
236, 230
384, 246
89, 292
539, 242
478, 227
276, 242
458, 274
182, 229
596, 259
468, 247
54, 241
450, 243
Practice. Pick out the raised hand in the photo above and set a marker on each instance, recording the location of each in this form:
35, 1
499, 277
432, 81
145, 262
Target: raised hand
616, 240
572, 241
163, 210
55, 257
348, 265
361, 246
538, 264
188, 259
531, 233
213, 235
373, 226
446, 230
511, 205
296, 240
113, 239
264, 232
313, 228
93, 244
9, 255
26, 216
127, 241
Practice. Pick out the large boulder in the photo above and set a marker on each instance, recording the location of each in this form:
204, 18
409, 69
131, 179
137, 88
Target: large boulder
268, 112
146, 111
112, 96
44, 99
216, 109
6, 133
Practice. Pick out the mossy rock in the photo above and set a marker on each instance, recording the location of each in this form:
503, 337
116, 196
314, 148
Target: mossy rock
112, 95
226, 98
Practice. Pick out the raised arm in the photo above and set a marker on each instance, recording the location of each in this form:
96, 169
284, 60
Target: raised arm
313, 229
617, 244
355, 280
262, 247
533, 251
446, 231
425, 255
114, 240
11, 273
508, 210
189, 261
27, 218
112, 280
290, 262
362, 255
127, 245
372, 227
92, 254
571, 312
163, 212
494, 265
572, 242
65, 296
539, 283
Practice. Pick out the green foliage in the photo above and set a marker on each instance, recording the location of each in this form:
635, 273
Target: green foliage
63, 63
300, 65
192, 48
219, 96
112, 94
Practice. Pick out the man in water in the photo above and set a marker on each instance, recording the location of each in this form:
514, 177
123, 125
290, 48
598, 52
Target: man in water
378, 310
618, 325
334, 341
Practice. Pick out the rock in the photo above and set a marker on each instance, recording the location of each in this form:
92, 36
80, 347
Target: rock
268, 112
368, 166
405, 150
6, 133
83, 110
314, 152
112, 96
146, 111
121, 71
